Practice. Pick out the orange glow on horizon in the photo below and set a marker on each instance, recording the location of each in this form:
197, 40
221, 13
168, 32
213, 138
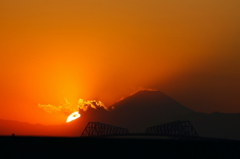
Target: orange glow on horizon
73, 116
107, 50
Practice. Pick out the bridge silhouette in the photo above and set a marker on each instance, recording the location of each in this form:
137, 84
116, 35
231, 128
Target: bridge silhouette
101, 129
173, 130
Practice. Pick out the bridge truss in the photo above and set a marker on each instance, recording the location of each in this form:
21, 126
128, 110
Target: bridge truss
174, 130
101, 129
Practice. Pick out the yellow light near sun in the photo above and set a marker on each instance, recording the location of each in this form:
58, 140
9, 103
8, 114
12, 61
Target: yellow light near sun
73, 116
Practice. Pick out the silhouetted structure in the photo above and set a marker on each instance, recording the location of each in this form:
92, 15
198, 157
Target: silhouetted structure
174, 130
100, 129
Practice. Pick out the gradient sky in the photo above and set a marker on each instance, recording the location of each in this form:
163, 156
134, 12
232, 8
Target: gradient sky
108, 49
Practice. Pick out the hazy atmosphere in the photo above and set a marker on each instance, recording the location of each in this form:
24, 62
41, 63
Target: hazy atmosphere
106, 50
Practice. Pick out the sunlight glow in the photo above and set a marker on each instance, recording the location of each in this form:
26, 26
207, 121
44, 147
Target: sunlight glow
73, 116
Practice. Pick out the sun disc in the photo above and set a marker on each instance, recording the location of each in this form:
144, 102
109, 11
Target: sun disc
73, 116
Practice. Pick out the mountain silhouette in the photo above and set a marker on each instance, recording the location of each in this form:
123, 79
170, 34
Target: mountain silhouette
150, 108
136, 113
9, 127
146, 108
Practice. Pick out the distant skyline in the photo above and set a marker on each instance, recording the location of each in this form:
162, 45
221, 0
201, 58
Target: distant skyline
106, 50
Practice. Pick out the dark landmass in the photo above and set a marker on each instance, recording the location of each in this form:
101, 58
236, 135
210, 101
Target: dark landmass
150, 108
56, 147
136, 113
9, 127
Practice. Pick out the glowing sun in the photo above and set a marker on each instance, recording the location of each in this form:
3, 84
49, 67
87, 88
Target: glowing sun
73, 116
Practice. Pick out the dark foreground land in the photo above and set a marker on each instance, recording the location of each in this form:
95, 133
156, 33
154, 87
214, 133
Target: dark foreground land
57, 147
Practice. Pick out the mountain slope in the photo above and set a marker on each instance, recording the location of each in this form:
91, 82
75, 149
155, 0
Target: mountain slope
141, 110
149, 108
9, 127
136, 112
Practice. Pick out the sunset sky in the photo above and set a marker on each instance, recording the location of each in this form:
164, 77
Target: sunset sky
105, 50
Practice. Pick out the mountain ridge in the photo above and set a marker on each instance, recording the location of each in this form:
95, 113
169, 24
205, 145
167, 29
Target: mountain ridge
146, 107
136, 112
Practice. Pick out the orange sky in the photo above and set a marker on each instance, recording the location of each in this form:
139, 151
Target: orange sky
106, 50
